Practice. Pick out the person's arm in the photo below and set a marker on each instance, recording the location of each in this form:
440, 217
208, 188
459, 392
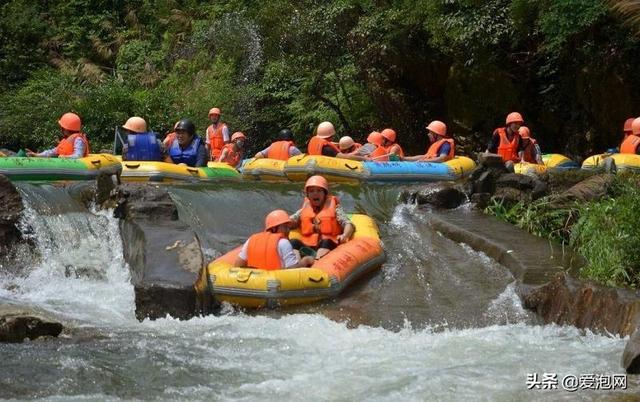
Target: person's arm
352, 157
492, 147
293, 151
538, 154
241, 259
328, 150
225, 134
295, 218
415, 158
46, 154
263, 153
348, 227
202, 156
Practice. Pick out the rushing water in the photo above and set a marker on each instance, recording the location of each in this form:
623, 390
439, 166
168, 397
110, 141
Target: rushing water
439, 321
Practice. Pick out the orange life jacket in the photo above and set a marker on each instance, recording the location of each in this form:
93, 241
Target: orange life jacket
630, 145
262, 251
327, 219
279, 150
508, 149
215, 139
316, 144
529, 152
232, 157
379, 154
433, 151
65, 146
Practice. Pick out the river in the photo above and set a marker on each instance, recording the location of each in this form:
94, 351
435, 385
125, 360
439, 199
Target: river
438, 321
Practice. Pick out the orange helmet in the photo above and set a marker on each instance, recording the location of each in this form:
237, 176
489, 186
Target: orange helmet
346, 142
238, 135
524, 132
635, 126
514, 117
375, 138
136, 124
437, 127
325, 130
389, 134
627, 125
70, 121
276, 218
214, 110
317, 181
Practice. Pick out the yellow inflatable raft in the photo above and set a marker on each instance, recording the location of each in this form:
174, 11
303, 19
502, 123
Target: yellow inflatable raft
142, 171
623, 162
551, 162
264, 169
328, 277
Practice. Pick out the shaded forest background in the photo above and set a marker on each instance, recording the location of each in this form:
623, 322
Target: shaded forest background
570, 66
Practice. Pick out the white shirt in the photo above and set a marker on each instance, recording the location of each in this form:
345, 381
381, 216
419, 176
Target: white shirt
288, 258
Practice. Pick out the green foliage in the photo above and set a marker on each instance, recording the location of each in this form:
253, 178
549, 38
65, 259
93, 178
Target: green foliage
607, 236
605, 232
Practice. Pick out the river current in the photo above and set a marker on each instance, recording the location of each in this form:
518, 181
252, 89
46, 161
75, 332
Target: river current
438, 322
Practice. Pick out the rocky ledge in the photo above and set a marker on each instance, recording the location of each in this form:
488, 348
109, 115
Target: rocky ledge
18, 324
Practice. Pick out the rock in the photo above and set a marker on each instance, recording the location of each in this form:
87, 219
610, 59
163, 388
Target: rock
10, 213
540, 189
487, 160
480, 200
163, 253
590, 189
18, 324
448, 197
631, 354
517, 181
510, 196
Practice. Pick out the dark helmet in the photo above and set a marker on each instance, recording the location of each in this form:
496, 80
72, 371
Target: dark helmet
186, 125
285, 135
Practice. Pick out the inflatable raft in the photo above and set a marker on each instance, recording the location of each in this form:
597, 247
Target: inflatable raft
299, 168
142, 171
551, 162
53, 169
328, 277
623, 162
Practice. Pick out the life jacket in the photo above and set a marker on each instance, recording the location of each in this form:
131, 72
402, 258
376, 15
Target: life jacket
434, 149
262, 251
143, 147
279, 150
188, 156
328, 222
216, 139
529, 153
316, 144
232, 157
65, 146
506, 149
168, 140
630, 144
379, 155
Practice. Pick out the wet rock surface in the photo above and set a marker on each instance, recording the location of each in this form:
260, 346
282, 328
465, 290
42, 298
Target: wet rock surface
18, 324
163, 253
631, 354
10, 213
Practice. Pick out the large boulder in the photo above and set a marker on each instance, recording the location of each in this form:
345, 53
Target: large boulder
631, 354
444, 196
592, 188
18, 324
163, 253
10, 214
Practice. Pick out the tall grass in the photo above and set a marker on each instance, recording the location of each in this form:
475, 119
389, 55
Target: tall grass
605, 232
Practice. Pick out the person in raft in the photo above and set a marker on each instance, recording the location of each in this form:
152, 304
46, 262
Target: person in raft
282, 149
170, 138
626, 128
320, 144
188, 148
631, 144
74, 143
233, 152
506, 141
272, 249
217, 134
530, 149
390, 149
322, 221
141, 144
442, 148
360, 152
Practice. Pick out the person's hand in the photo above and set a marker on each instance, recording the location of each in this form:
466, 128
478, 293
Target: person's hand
31, 153
342, 238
